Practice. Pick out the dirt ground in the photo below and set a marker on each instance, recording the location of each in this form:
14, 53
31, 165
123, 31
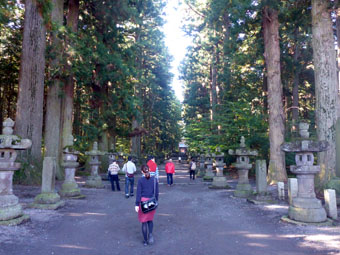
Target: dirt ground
191, 219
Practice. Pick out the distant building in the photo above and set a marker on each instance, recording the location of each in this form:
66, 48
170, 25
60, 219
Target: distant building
182, 147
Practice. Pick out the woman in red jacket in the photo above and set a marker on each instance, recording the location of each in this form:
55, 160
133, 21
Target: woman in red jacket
170, 170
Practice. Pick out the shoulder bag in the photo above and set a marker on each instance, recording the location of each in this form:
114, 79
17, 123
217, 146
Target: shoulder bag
152, 203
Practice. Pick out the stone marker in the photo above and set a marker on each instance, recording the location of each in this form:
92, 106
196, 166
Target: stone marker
281, 190
261, 181
305, 207
11, 212
330, 203
261, 176
94, 181
48, 198
292, 189
243, 188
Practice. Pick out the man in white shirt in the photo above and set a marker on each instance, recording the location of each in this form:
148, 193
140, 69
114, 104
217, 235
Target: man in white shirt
129, 169
113, 175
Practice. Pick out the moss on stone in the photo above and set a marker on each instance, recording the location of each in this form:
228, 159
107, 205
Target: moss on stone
13, 222
208, 178
219, 187
47, 198
54, 206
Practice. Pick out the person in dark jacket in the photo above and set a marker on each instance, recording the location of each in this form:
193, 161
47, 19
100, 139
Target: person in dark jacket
147, 188
192, 169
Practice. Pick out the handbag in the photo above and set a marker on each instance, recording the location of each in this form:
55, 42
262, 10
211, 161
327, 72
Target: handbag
151, 204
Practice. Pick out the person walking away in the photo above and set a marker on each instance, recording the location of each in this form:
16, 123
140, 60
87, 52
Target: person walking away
113, 175
153, 168
147, 188
192, 168
170, 170
129, 169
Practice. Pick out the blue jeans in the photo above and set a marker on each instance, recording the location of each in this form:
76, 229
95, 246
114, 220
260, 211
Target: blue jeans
169, 179
114, 179
128, 181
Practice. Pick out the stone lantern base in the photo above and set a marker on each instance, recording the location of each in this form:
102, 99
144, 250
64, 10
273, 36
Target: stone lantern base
308, 210
243, 190
47, 201
70, 190
94, 182
200, 173
219, 182
11, 211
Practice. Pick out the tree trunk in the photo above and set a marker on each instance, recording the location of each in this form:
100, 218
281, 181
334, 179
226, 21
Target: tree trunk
136, 140
277, 168
53, 101
213, 92
29, 115
295, 105
337, 23
325, 86
67, 103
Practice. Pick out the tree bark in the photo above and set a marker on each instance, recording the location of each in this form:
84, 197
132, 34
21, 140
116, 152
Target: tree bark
29, 115
67, 103
337, 25
295, 105
277, 168
53, 100
213, 92
326, 86
136, 140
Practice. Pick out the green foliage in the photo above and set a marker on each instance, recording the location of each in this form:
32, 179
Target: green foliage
227, 36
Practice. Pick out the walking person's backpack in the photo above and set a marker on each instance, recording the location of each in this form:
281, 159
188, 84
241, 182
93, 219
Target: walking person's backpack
193, 166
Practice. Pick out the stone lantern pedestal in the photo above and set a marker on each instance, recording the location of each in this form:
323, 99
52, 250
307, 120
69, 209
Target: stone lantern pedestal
11, 212
305, 207
243, 188
209, 168
201, 171
70, 187
219, 181
94, 181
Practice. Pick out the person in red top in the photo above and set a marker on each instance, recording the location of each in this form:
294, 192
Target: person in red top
170, 170
153, 168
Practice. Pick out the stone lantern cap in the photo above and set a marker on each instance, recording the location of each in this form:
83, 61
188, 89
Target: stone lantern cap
69, 146
10, 141
243, 151
304, 144
95, 151
219, 154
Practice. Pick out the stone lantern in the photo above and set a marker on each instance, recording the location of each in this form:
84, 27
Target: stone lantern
201, 169
94, 181
112, 156
209, 166
11, 212
120, 160
243, 188
219, 181
305, 207
70, 187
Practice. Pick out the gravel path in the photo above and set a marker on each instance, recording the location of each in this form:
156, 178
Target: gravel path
191, 219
